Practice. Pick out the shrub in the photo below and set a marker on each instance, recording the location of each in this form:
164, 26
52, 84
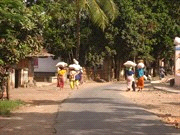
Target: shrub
6, 106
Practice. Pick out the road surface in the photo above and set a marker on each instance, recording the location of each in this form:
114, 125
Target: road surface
102, 110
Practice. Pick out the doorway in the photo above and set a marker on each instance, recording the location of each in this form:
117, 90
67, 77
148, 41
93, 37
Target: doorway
17, 78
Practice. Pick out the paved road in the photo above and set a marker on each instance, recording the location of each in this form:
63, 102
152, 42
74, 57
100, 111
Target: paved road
102, 110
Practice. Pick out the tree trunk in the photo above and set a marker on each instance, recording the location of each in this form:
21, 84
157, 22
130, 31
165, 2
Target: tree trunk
78, 19
155, 68
8, 87
117, 68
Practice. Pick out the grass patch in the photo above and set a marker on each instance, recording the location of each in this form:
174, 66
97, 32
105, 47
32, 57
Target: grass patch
6, 106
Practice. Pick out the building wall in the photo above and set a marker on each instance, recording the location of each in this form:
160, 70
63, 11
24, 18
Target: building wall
19, 74
46, 65
45, 69
43, 76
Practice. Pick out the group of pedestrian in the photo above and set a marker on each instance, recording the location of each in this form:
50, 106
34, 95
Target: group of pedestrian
131, 74
75, 77
74, 73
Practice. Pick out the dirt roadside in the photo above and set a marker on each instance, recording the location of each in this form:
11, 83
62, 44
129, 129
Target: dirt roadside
38, 116
164, 104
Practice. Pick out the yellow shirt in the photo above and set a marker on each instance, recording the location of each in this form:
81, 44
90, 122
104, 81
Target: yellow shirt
62, 72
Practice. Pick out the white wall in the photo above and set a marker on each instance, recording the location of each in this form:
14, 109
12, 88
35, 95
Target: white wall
46, 65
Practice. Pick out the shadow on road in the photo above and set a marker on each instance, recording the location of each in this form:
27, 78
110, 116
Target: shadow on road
118, 118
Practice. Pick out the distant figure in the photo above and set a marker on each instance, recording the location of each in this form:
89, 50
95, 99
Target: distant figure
161, 72
140, 76
130, 79
61, 77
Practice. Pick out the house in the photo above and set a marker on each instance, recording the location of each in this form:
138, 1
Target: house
22, 74
45, 69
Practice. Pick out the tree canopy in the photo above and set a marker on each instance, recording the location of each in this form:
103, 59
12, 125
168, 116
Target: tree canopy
140, 29
19, 32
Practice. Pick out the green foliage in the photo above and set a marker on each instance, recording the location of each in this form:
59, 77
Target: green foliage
139, 29
18, 32
134, 34
6, 106
166, 32
146, 29
101, 11
59, 34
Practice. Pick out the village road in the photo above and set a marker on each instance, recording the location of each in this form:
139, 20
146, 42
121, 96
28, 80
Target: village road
102, 110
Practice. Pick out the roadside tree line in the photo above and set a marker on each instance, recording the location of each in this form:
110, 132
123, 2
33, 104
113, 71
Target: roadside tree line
90, 31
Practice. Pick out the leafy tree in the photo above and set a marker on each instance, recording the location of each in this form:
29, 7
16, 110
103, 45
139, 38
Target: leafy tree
101, 13
58, 27
18, 32
59, 35
96, 44
167, 29
146, 30
19, 35
134, 32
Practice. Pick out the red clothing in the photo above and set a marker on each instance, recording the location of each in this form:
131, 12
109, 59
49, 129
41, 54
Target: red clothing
60, 81
140, 83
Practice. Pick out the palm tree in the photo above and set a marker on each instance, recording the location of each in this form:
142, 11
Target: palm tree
101, 13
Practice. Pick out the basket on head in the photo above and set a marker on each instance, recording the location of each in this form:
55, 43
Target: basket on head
140, 65
74, 67
61, 64
129, 64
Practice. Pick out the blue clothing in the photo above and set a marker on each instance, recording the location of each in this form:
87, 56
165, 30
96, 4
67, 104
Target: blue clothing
129, 72
140, 72
78, 76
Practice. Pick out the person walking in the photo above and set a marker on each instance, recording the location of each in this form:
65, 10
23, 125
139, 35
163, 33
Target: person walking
140, 76
61, 77
161, 73
129, 78
73, 78
77, 78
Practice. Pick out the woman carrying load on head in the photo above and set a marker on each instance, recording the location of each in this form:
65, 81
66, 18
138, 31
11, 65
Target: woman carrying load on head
79, 76
129, 78
74, 74
61, 77
129, 75
140, 76
72, 78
